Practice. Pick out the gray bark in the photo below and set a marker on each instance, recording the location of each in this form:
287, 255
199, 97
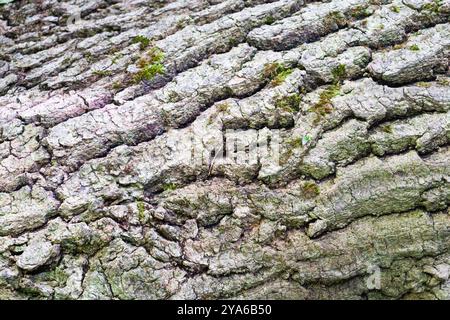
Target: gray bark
193, 149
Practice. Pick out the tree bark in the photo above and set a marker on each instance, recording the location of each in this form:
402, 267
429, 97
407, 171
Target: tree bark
253, 149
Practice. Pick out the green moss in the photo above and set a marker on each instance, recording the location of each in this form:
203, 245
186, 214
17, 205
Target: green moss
443, 81
150, 65
399, 46
117, 85
339, 73
291, 144
310, 189
67, 61
113, 50
102, 73
271, 70
269, 20
149, 72
276, 73
182, 23
360, 12
233, 42
88, 56
169, 187
30, 292
143, 41
227, 91
423, 84
335, 18
141, 210
173, 97
211, 118
289, 104
281, 77
324, 106
116, 57
395, 9
86, 33
414, 47
223, 107
58, 275
295, 143
433, 7
387, 128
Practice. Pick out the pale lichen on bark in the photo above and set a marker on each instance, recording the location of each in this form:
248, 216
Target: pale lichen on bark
105, 104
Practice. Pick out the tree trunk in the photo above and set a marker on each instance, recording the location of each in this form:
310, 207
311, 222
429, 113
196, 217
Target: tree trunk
193, 149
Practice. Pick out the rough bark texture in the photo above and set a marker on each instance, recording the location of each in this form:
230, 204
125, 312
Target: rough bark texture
103, 107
